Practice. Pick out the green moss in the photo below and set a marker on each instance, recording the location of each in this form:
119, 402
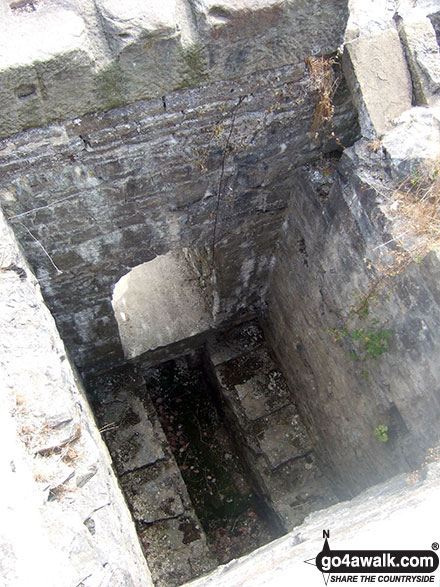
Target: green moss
110, 86
194, 72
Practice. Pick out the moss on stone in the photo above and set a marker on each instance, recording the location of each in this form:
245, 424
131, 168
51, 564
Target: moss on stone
194, 72
110, 86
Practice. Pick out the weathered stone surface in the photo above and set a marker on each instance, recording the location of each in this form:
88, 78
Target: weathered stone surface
172, 538
102, 194
153, 493
47, 62
248, 35
328, 261
65, 521
159, 303
146, 44
134, 443
368, 18
377, 74
283, 438
414, 141
273, 439
176, 551
423, 56
259, 391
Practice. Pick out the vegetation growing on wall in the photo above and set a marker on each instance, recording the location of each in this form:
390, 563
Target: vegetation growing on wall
325, 83
110, 86
381, 433
370, 341
195, 70
415, 208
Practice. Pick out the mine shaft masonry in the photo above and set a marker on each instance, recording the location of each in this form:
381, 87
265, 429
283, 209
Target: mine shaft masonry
243, 171
107, 192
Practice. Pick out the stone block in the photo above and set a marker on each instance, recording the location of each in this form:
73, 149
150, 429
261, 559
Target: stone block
369, 17
153, 494
251, 35
422, 53
133, 442
176, 551
282, 437
159, 303
263, 394
377, 74
145, 41
228, 345
414, 141
46, 67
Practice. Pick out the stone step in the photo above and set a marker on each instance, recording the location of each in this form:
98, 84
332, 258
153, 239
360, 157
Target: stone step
171, 535
260, 408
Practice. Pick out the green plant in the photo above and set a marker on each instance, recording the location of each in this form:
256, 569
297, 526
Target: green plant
376, 343
381, 433
338, 333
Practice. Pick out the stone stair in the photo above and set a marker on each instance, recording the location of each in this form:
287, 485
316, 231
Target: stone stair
265, 420
171, 536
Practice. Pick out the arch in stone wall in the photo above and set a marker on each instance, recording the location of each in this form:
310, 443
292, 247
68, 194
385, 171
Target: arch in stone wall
158, 303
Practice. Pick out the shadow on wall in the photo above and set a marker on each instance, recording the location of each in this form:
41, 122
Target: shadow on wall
159, 303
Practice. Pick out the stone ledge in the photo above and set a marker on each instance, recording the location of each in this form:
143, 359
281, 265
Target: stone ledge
64, 61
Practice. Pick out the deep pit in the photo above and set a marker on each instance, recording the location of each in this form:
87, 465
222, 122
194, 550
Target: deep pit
210, 452
234, 170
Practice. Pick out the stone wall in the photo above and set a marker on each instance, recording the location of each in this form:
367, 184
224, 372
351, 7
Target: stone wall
338, 270
63, 59
91, 198
64, 519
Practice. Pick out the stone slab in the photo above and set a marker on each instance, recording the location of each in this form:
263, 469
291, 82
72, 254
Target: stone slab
47, 65
153, 493
176, 551
227, 345
135, 447
159, 303
378, 77
245, 35
132, 439
282, 436
414, 141
422, 53
298, 487
263, 394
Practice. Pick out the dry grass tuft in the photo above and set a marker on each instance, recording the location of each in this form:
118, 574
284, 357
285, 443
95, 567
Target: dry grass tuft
375, 145
325, 83
416, 204
433, 456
